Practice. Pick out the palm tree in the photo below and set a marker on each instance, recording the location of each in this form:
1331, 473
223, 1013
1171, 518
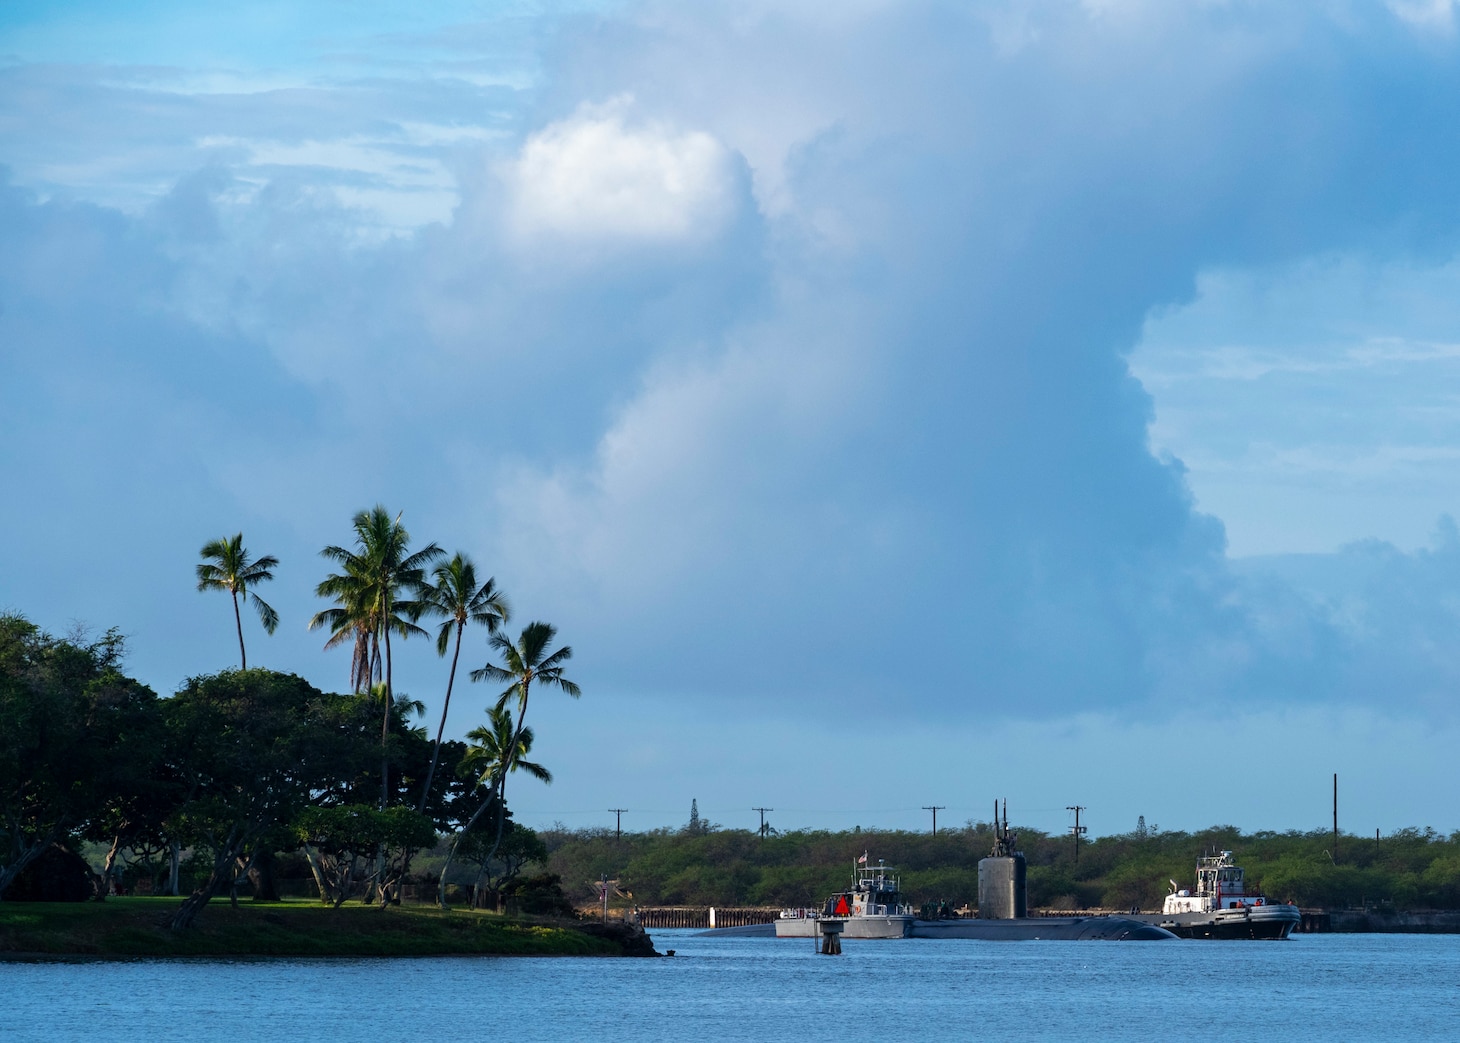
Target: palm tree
367, 589
496, 751
526, 662
457, 598
230, 569
353, 621
492, 750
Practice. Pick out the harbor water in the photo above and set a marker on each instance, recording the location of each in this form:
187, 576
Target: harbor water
1397, 987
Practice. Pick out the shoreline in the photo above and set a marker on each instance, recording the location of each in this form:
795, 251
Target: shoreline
135, 928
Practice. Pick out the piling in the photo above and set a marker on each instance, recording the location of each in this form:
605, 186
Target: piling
831, 936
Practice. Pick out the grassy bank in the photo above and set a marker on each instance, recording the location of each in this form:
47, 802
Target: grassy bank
137, 927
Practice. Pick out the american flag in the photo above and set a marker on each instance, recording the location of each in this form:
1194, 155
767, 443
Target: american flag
863, 860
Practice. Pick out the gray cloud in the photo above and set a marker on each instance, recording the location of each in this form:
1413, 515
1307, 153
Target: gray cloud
864, 430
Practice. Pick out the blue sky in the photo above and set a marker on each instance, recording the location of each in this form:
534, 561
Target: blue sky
892, 404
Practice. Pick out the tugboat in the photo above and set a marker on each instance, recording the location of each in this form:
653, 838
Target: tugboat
873, 908
1221, 908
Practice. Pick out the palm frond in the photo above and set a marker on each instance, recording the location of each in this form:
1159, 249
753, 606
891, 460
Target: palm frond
491, 672
267, 615
333, 553
506, 696
537, 771
535, 637
418, 561
328, 617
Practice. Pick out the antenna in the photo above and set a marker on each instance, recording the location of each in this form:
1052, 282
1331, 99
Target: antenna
935, 808
1004, 841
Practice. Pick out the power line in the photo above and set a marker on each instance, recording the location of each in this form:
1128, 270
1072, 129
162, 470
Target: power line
618, 822
762, 819
935, 808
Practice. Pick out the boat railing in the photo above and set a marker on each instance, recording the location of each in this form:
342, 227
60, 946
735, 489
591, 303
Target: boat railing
800, 914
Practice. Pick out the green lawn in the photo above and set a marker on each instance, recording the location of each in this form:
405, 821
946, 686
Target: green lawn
137, 927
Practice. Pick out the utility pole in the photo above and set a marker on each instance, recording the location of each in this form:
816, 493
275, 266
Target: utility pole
618, 822
762, 819
935, 808
1076, 829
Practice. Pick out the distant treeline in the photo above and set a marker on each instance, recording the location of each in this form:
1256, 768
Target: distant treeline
1408, 869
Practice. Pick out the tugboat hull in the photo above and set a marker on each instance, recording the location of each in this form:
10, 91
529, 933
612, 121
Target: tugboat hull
1265, 923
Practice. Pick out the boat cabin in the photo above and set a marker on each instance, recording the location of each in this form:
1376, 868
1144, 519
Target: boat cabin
875, 892
1219, 885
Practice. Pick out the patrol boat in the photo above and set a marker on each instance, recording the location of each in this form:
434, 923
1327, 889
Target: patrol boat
1220, 907
873, 908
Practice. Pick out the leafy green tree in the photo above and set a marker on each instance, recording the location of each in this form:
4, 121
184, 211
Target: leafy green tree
455, 595
520, 846
342, 837
231, 569
246, 745
370, 607
76, 738
344, 773
495, 752
135, 798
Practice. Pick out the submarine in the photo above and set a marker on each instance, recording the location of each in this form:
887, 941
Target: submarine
1003, 906
1002, 912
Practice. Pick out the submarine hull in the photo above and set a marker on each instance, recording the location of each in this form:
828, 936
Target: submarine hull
1045, 928
1037, 928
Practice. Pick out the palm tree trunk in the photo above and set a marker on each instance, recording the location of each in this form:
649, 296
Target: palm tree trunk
451, 853
384, 760
387, 657
174, 859
107, 867
385, 728
238, 621
445, 706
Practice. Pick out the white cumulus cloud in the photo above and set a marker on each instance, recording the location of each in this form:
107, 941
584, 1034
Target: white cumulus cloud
596, 177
